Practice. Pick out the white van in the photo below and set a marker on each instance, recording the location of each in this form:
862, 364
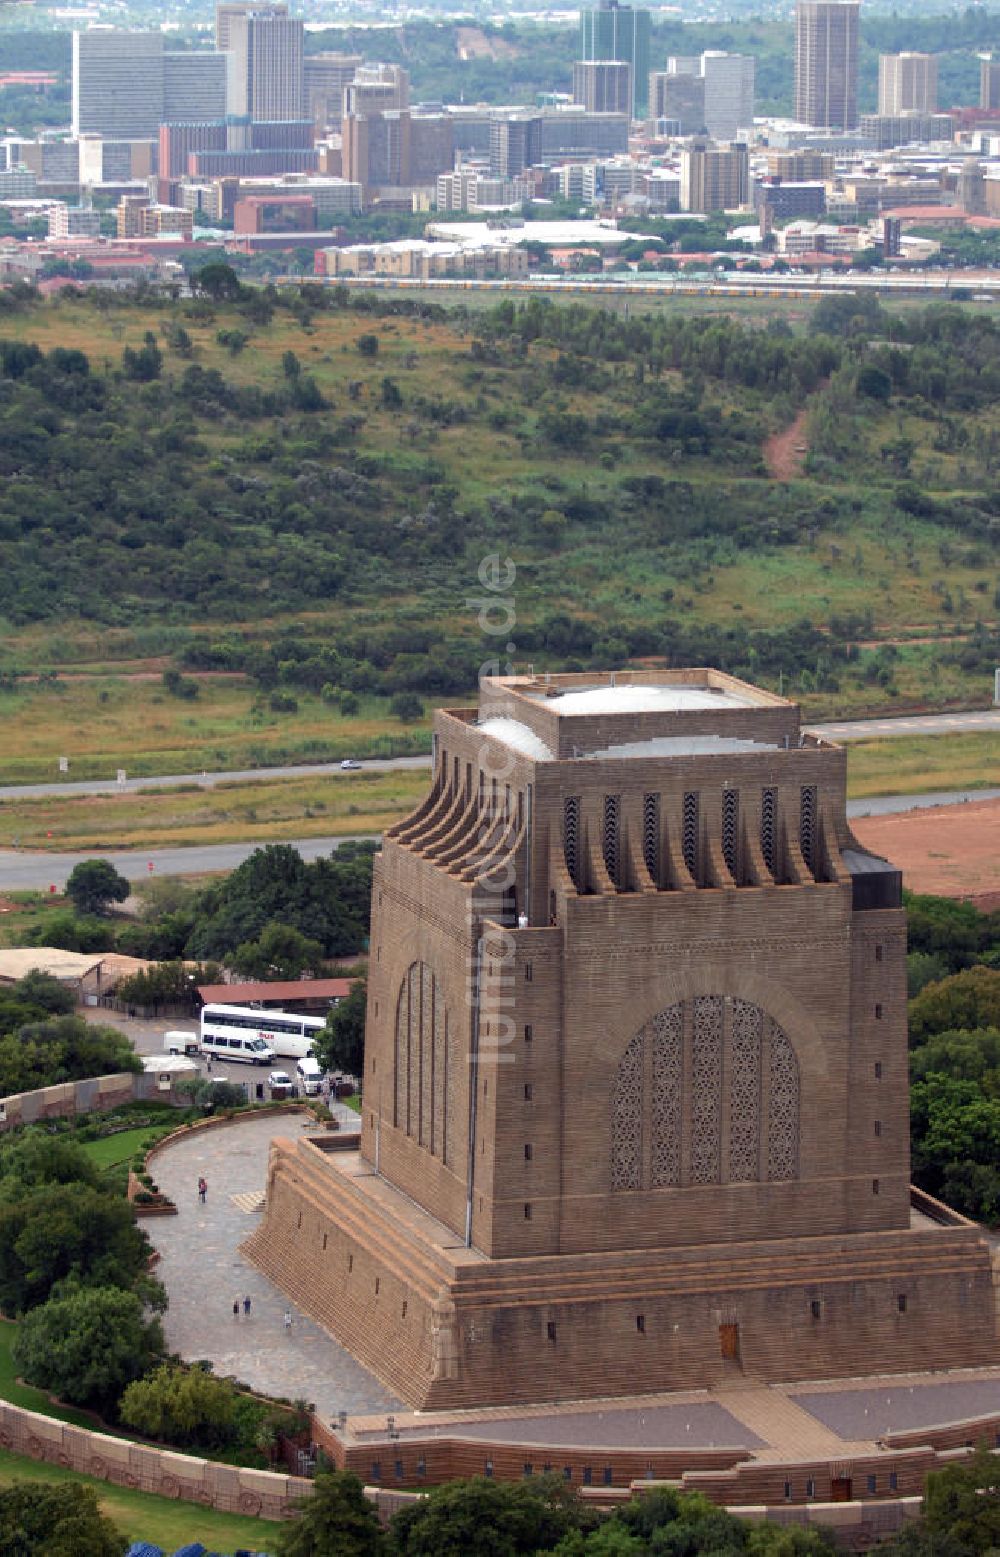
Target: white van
180, 1042
309, 1074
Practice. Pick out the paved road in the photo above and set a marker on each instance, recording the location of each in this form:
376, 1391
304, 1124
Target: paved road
981, 723
110, 786
846, 730
886, 805
21, 871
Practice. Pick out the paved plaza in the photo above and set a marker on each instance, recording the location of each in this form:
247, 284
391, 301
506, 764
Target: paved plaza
204, 1274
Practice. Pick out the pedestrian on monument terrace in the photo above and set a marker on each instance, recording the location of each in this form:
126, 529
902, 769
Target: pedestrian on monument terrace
246, 1306
288, 1320
236, 1308
202, 1189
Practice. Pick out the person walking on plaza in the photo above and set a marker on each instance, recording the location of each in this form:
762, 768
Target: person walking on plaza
288, 1320
236, 1308
202, 1189
246, 1306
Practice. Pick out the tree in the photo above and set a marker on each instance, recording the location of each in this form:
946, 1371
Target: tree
45, 993
407, 706
61, 1048
32, 1157
182, 1405
490, 1518
87, 1345
368, 345
59, 1230
336, 1521
217, 281
341, 1044
62, 1521
962, 1503
94, 884
282, 952
967, 1000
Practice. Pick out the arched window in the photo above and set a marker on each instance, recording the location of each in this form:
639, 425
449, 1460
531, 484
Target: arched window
739, 1115
421, 1095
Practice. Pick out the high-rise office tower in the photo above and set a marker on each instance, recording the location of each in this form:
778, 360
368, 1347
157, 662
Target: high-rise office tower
971, 188
729, 92
324, 77
125, 84
715, 178
377, 89
117, 83
619, 32
515, 144
678, 97
603, 85
194, 85
989, 83
907, 83
265, 63
826, 63
225, 10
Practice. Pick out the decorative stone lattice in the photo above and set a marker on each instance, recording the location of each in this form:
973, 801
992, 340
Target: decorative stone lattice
651, 835
626, 1123
744, 1093
571, 837
769, 828
807, 825
783, 1131
422, 1099
612, 835
730, 831
706, 1089
689, 832
667, 1032
651, 1112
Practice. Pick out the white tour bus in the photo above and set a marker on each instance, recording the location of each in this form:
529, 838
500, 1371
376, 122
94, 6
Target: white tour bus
241, 1033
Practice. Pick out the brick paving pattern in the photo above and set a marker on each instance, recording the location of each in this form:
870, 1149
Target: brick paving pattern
204, 1275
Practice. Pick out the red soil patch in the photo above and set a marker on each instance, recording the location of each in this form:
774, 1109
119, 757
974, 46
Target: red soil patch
950, 850
783, 454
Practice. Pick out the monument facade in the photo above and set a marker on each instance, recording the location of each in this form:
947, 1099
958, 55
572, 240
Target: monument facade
635, 1106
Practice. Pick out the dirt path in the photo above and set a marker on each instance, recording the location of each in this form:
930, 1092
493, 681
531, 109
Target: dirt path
785, 452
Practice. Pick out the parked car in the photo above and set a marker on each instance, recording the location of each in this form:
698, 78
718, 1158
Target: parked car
281, 1084
349, 765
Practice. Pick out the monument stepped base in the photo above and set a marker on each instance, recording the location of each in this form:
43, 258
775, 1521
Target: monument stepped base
444, 1327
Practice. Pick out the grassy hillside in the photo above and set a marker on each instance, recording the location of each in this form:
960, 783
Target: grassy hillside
300, 491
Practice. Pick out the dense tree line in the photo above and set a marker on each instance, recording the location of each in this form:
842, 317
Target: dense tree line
42, 1043
953, 966
275, 916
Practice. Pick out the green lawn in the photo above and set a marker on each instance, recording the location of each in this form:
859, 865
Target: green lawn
110, 1150
145, 1516
353, 1101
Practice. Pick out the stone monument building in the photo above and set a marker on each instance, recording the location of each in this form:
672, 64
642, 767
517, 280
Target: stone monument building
635, 1106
